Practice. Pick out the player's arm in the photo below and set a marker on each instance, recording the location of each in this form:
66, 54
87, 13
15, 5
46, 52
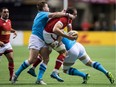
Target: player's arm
60, 14
13, 31
57, 30
69, 26
1, 44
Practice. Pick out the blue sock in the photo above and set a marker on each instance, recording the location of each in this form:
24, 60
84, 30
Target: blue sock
73, 71
23, 66
99, 67
42, 69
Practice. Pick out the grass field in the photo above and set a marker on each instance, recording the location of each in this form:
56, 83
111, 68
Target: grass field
106, 55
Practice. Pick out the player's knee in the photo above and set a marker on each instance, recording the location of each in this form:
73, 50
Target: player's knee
89, 63
11, 60
65, 68
86, 60
31, 61
95, 64
46, 60
63, 51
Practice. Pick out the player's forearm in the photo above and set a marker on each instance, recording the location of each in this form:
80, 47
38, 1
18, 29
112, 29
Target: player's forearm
60, 14
60, 32
12, 30
1, 44
69, 27
56, 14
59, 38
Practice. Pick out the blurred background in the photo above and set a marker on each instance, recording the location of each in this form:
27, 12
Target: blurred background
93, 15
96, 26
97, 17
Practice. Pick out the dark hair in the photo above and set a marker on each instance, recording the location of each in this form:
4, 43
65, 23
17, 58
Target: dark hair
1, 9
70, 10
41, 4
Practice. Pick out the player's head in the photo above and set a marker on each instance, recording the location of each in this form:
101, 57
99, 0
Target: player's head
42, 6
72, 11
4, 13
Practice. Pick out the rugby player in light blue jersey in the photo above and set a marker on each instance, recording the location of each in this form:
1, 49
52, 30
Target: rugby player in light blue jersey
36, 42
77, 51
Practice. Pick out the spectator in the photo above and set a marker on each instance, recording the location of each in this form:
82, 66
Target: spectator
114, 25
97, 26
85, 26
104, 26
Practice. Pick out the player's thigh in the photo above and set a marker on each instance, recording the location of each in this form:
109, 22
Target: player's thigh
9, 56
8, 52
6, 47
81, 50
86, 60
33, 55
72, 55
61, 48
35, 45
49, 37
45, 52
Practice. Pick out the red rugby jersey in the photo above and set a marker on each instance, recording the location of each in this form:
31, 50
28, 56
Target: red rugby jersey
5, 28
50, 25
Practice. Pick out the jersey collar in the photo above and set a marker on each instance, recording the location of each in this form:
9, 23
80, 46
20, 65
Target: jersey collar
4, 19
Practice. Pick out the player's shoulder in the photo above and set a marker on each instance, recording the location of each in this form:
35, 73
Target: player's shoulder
43, 12
9, 20
64, 18
1, 21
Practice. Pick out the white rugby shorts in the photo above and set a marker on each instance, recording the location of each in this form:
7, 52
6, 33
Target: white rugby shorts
49, 37
6, 47
36, 43
76, 52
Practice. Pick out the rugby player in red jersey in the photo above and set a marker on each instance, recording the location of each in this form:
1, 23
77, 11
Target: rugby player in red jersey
5, 46
53, 33
52, 38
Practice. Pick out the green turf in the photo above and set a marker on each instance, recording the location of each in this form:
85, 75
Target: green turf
106, 55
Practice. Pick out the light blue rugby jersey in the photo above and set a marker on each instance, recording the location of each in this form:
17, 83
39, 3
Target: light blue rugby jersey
39, 23
68, 43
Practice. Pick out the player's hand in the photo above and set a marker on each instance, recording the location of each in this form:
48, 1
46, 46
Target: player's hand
72, 37
1, 44
54, 44
64, 11
71, 16
15, 35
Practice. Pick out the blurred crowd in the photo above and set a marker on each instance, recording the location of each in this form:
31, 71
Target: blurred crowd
97, 26
91, 16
